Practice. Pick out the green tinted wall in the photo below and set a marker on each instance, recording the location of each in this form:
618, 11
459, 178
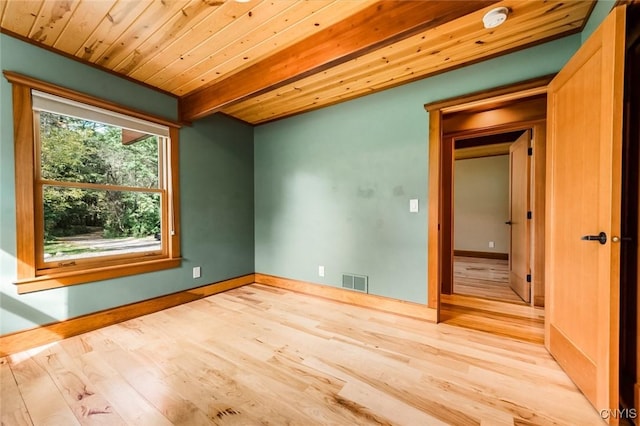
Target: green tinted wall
332, 187
216, 196
599, 12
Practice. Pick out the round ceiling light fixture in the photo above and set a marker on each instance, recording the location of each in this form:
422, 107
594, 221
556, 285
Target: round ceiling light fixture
495, 17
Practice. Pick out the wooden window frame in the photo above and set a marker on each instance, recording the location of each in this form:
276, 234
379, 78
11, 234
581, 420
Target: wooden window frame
29, 278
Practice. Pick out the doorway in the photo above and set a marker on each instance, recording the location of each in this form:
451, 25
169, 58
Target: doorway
511, 109
491, 187
629, 375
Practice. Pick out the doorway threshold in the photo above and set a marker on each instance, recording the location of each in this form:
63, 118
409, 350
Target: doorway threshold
520, 322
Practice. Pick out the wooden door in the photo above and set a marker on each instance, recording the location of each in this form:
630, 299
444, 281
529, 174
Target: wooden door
584, 144
519, 206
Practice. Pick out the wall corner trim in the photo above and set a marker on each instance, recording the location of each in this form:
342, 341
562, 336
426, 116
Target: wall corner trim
22, 340
385, 304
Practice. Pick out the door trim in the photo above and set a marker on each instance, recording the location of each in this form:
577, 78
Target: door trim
504, 94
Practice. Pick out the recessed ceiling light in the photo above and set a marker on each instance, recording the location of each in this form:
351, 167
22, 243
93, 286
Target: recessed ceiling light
495, 17
243, 1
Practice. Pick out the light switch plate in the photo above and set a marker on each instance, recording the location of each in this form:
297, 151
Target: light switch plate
196, 272
321, 271
413, 205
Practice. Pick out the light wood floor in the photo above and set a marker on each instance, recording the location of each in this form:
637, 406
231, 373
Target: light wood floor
487, 278
515, 321
260, 355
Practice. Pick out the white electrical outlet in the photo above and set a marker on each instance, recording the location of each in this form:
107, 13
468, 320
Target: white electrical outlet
196, 272
321, 271
492, 244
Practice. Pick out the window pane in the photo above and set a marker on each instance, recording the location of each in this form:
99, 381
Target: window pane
75, 150
81, 223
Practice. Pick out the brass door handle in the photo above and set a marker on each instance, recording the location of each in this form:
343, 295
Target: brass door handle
618, 239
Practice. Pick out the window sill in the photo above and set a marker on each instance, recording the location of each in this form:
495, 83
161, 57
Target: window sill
46, 282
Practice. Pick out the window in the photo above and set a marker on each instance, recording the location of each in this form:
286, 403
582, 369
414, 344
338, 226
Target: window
96, 188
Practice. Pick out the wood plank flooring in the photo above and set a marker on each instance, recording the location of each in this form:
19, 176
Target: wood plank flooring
516, 321
262, 355
487, 278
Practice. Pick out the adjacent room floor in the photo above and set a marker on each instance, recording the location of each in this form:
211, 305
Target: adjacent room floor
260, 355
487, 278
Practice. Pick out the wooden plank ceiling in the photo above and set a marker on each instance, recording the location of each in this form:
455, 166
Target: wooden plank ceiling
267, 59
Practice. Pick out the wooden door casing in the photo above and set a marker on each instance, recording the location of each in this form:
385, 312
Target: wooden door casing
629, 248
537, 200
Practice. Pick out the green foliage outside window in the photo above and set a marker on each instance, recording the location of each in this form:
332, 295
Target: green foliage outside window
80, 151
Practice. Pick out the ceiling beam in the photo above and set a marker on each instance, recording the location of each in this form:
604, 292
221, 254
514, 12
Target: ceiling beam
377, 26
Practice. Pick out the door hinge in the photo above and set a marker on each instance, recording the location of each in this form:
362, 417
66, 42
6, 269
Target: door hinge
528, 278
530, 151
529, 215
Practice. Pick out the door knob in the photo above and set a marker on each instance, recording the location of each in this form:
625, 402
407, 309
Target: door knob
508, 222
601, 238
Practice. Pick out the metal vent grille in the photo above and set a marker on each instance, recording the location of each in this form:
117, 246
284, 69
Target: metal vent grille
356, 282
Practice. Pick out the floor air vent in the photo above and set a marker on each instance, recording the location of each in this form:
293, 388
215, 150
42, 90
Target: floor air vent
356, 282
